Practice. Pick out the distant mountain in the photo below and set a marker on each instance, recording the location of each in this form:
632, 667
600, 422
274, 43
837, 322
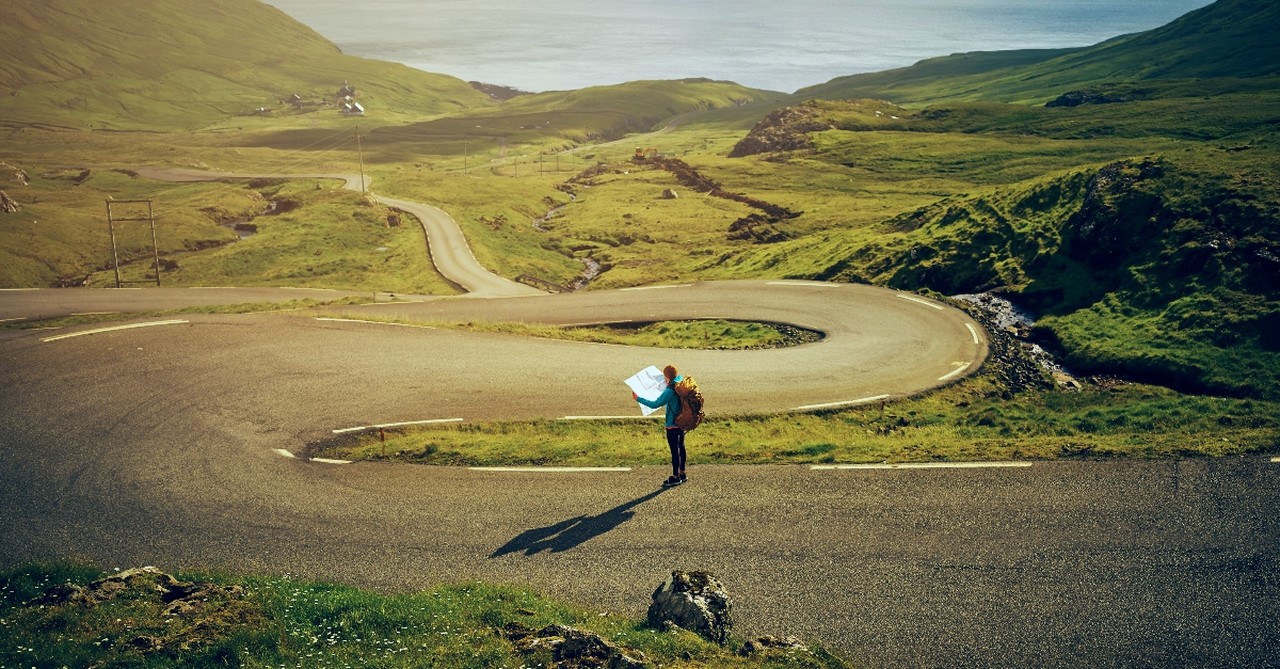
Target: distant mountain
168, 64
1230, 38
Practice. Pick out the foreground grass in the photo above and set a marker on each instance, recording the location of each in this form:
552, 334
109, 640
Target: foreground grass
259, 621
963, 423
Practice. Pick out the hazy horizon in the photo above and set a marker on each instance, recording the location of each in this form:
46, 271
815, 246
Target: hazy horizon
571, 44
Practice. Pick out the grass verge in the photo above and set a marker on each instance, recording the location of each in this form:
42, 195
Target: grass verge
61, 615
969, 422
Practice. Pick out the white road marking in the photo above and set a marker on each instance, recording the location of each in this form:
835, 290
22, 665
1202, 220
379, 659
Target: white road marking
550, 470
10, 320
1275, 459
811, 284
920, 300
327, 461
973, 331
847, 403
96, 313
956, 372
112, 329
431, 421
364, 322
285, 453
16, 290
629, 417
679, 285
925, 465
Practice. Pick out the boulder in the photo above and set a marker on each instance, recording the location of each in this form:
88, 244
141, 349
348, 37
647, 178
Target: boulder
695, 601
767, 644
7, 204
572, 647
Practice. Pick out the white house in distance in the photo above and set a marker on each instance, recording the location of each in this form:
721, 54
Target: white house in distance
347, 100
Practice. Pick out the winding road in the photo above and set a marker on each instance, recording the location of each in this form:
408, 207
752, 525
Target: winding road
173, 442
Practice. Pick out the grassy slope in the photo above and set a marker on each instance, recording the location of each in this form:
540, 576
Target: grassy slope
1230, 38
1146, 231
170, 64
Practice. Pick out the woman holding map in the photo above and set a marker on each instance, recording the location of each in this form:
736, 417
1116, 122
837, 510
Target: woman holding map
675, 436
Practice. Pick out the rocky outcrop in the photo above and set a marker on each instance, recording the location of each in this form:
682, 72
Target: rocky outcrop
573, 648
695, 601
1119, 214
1089, 97
207, 611
13, 175
7, 204
766, 645
784, 130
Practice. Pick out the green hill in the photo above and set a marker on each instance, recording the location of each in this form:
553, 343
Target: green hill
1139, 215
1230, 38
171, 64
601, 113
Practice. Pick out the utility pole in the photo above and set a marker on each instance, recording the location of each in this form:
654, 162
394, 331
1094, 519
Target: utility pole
360, 150
150, 218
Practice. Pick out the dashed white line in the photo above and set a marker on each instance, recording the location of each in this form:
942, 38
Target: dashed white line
679, 285
10, 320
811, 284
925, 465
920, 300
430, 421
284, 453
973, 331
95, 313
364, 322
956, 372
630, 417
16, 290
131, 326
550, 470
847, 403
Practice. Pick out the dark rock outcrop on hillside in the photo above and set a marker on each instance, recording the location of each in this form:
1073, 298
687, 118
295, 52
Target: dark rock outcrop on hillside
784, 130
7, 204
1089, 97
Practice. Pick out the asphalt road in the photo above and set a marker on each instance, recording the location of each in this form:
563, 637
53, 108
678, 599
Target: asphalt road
162, 445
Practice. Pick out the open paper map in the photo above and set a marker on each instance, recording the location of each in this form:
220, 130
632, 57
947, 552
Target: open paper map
648, 383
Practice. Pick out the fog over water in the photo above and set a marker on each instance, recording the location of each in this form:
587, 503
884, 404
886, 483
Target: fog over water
540, 45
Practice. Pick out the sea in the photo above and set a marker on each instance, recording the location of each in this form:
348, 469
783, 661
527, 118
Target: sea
546, 45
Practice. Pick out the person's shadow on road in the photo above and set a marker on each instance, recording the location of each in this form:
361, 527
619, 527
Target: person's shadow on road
567, 534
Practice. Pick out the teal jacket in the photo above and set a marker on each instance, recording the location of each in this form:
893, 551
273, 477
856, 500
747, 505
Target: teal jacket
669, 398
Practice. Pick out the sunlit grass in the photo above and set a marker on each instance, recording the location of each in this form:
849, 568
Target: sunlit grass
963, 423
271, 621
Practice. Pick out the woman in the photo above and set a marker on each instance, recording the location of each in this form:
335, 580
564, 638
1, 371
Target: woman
675, 435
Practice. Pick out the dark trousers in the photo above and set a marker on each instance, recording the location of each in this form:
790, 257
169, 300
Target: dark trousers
675, 439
